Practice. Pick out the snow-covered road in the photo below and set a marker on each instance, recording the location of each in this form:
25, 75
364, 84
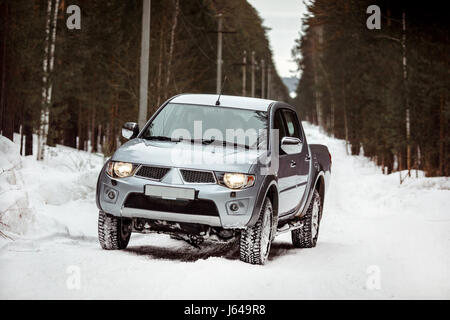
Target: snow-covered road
377, 240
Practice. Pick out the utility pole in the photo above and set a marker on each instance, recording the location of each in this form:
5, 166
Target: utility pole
219, 54
244, 73
145, 49
405, 79
263, 78
269, 81
253, 73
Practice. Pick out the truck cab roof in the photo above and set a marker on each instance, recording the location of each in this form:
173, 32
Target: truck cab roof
225, 101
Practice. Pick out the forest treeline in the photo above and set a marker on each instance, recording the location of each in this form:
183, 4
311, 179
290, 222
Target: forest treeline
94, 81
360, 84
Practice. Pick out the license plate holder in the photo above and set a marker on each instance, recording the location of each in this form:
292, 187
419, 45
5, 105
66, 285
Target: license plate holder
170, 193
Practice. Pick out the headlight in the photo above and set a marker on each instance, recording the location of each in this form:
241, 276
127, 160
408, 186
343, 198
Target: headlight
238, 180
120, 169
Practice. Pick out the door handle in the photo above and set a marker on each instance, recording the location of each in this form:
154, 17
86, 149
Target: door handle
308, 157
293, 163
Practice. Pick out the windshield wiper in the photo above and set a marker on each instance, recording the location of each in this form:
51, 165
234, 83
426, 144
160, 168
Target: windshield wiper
162, 138
221, 142
233, 144
203, 141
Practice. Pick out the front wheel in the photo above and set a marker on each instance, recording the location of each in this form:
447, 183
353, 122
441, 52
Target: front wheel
113, 232
255, 241
306, 236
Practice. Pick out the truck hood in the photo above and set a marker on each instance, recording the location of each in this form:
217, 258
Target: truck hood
187, 155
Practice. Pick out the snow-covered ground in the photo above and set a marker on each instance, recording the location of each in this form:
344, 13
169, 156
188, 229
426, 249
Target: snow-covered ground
378, 239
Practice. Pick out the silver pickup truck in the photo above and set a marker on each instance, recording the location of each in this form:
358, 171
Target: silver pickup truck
215, 167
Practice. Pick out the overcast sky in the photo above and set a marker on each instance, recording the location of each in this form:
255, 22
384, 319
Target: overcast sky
284, 17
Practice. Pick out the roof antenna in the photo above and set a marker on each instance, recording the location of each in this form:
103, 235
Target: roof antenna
218, 98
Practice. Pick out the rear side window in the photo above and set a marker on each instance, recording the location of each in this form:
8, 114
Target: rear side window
279, 124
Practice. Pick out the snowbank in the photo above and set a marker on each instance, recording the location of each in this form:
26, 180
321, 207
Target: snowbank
15, 213
40, 199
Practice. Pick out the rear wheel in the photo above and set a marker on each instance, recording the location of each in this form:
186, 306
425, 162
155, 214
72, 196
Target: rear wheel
306, 236
255, 241
113, 232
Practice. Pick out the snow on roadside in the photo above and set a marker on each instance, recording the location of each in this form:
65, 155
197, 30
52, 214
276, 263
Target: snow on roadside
56, 196
374, 193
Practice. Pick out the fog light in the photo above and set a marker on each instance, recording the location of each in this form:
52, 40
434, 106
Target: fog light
237, 207
111, 194
234, 207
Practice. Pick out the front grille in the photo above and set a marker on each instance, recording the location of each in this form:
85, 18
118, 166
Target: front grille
198, 206
156, 173
194, 176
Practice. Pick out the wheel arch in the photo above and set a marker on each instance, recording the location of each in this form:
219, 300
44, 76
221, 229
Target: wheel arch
320, 187
272, 193
268, 188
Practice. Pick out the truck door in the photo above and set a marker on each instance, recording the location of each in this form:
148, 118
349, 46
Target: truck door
302, 157
287, 171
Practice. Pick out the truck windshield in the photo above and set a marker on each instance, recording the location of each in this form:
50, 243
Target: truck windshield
209, 125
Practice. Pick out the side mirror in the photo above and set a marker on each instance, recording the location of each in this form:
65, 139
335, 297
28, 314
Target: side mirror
130, 130
291, 145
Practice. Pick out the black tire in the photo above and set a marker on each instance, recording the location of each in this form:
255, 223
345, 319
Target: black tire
255, 241
113, 232
306, 236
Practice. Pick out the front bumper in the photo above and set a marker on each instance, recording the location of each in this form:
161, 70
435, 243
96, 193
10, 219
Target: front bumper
113, 193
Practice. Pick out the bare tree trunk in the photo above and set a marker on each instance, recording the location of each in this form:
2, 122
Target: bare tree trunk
79, 133
107, 138
93, 133
8, 99
87, 132
172, 44
158, 82
22, 118
99, 139
49, 57
44, 80
330, 91
28, 132
405, 85
419, 161
345, 119
318, 100
112, 125
3, 65
442, 135
316, 56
